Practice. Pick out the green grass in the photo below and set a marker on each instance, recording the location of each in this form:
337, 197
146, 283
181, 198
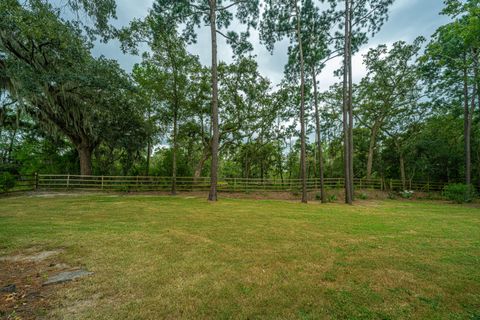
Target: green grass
176, 257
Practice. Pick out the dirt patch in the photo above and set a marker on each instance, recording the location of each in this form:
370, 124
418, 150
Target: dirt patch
79, 306
32, 257
333, 195
22, 276
30, 300
261, 195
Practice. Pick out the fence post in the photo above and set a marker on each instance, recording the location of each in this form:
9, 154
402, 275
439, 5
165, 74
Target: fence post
36, 181
391, 185
68, 180
102, 182
234, 184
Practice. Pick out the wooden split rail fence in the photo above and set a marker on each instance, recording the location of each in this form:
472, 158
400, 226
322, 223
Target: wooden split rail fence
154, 183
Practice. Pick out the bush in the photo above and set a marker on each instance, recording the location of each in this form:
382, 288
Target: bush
332, 198
407, 194
7, 181
459, 192
434, 196
362, 196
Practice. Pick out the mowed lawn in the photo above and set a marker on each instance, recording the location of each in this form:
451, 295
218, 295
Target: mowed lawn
156, 257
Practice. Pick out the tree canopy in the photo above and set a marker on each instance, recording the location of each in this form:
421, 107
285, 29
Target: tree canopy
413, 114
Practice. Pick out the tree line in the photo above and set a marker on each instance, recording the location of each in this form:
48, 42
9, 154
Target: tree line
412, 116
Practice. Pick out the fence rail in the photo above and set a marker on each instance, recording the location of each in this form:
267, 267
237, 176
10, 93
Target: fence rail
155, 183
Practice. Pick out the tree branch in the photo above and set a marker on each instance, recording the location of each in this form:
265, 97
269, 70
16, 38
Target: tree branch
225, 36
232, 5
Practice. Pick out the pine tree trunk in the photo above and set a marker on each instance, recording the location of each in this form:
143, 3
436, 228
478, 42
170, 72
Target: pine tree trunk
371, 149
350, 108
323, 196
402, 171
149, 144
174, 153
280, 162
476, 82
346, 134
215, 134
470, 122
303, 153
466, 128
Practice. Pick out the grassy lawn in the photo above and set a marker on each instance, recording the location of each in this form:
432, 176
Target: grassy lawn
177, 257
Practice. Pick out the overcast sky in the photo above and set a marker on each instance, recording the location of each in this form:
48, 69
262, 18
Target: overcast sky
408, 20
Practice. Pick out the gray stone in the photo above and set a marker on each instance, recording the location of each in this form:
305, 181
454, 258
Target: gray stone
9, 288
67, 276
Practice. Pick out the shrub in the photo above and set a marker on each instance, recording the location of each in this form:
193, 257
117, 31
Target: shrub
434, 196
332, 198
391, 196
362, 196
459, 192
406, 194
7, 181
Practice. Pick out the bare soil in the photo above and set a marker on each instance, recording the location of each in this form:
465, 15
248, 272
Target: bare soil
27, 271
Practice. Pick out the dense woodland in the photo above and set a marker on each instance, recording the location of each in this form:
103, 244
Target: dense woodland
414, 115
